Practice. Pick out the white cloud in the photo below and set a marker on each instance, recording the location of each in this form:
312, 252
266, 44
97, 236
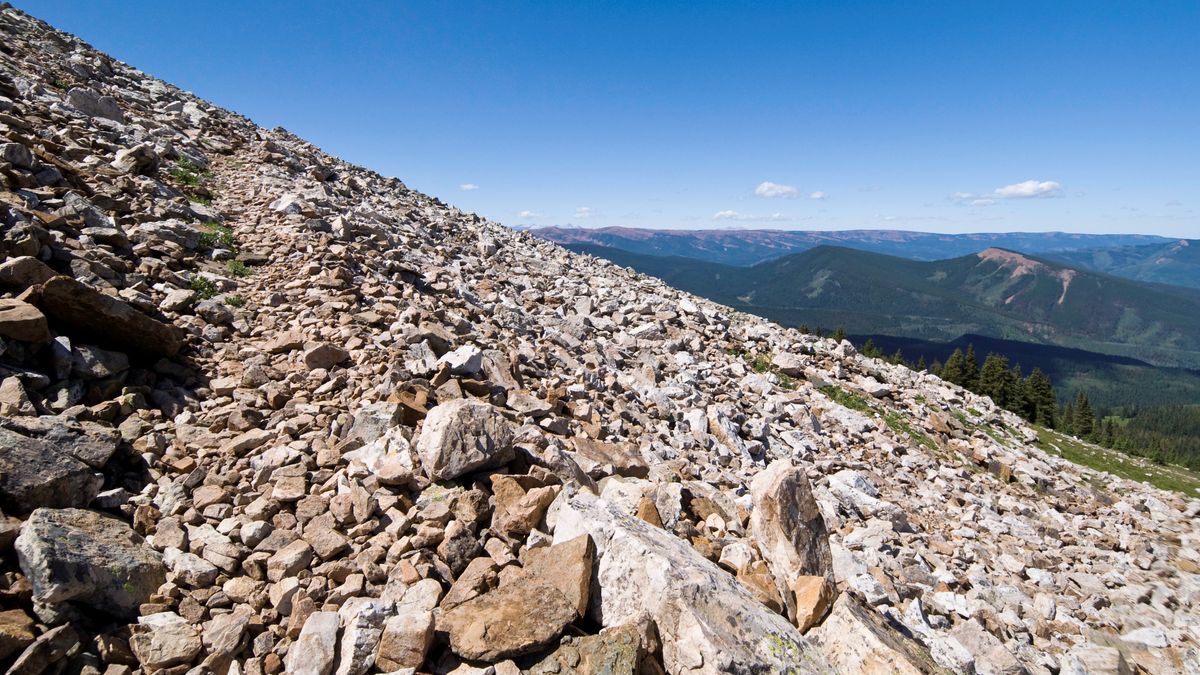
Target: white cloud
1029, 189
769, 189
528, 214
818, 195
734, 215
467, 187
583, 212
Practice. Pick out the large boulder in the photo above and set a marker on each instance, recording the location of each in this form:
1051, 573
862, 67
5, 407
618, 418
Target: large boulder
788, 528
462, 436
33, 473
89, 559
709, 623
105, 320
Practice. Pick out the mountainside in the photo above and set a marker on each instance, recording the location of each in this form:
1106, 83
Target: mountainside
998, 293
1177, 262
265, 411
749, 247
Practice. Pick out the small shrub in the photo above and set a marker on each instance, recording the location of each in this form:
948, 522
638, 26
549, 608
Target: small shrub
205, 289
238, 268
235, 300
218, 236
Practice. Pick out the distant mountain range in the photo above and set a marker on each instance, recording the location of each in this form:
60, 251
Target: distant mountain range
748, 247
996, 292
1176, 262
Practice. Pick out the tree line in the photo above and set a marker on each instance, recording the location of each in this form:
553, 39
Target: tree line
1163, 434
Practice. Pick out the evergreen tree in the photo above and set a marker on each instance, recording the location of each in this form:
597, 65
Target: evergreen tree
1042, 401
805, 329
1067, 418
1018, 396
936, 368
1085, 419
955, 369
993, 380
839, 335
971, 379
921, 363
898, 357
869, 349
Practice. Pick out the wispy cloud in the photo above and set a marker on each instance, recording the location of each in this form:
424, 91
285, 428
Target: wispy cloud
769, 189
528, 214
734, 215
467, 187
583, 212
818, 195
1029, 189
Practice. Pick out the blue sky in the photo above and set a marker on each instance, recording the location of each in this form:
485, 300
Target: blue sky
954, 116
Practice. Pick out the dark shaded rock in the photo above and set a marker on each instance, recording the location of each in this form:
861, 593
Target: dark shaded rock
105, 320
33, 474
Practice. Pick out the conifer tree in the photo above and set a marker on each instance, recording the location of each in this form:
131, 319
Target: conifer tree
839, 335
993, 379
1067, 418
955, 369
921, 363
1085, 419
1042, 400
971, 379
897, 357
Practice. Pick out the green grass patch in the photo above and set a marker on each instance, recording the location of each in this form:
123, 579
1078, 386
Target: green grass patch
1165, 477
235, 301
218, 236
900, 425
845, 398
188, 172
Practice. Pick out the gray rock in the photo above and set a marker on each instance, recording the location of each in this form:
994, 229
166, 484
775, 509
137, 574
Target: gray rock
314, 651
462, 436
91, 103
34, 474
85, 558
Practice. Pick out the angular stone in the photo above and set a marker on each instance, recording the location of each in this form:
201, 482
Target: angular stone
518, 511
324, 355
168, 640
407, 635
788, 528
642, 570
599, 458
519, 618
22, 321
106, 321
857, 640
34, 474
314, 651
462, 436
16, 632
83, 557
22, 272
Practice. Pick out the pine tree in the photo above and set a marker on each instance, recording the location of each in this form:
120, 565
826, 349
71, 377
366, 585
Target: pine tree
869, 349
921, 363
805, 329
993, 379
936, 368
1067, 418
897, 358
1085, 419
839, 335
1043, 402
971, 379
1018, 397
955, 370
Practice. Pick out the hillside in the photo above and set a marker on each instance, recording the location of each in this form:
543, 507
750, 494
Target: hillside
750, 247
998, 293
265, 411
1176, 262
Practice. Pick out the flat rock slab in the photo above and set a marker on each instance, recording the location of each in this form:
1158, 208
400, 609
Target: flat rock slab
105, 320
83, 557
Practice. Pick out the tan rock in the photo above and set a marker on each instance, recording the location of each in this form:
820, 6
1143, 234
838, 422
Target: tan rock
22, 321
813, 598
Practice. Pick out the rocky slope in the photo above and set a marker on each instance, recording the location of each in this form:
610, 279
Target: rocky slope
266, 411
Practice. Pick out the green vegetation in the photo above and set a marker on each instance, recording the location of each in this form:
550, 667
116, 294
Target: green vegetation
848, 399
188, 173
235, 301
205, 289
899, 424
60, 84
218, 236
1118, 463
237, 268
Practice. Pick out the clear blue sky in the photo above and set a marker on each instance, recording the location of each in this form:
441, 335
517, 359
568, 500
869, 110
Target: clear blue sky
952, 116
